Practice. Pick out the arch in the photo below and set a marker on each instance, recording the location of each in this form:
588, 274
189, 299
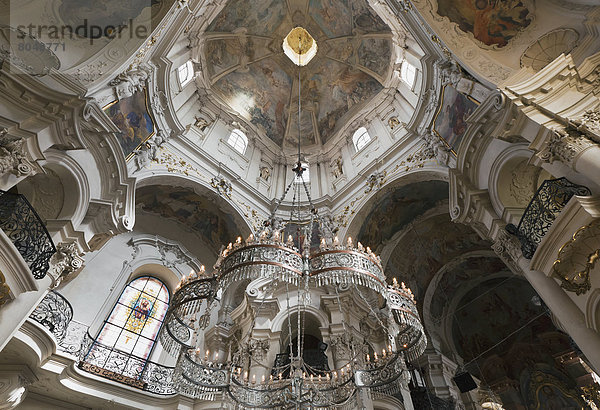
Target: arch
592, 310
200, 187
512, 181
366, 203
278, 322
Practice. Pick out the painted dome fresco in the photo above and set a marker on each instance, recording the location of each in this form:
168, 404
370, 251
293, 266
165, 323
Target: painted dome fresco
247, 69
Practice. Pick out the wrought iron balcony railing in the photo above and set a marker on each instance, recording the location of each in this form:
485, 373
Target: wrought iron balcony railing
54, 313
125, 368
547, 203
23, 226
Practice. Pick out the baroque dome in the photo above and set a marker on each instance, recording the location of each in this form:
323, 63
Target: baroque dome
247, 70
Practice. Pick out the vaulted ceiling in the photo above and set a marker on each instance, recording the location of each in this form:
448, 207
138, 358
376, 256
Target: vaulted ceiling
247, 69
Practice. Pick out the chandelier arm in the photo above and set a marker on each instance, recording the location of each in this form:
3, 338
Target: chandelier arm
280, 200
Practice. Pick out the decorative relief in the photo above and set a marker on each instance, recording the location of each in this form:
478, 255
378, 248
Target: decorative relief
508, 248
4, 290
589, 124
577, 258
265, 173
393, 122
130, 81
565, 146
524, 182
222, 186
66, 261
12, 155
375, 181
337, 167
149, 150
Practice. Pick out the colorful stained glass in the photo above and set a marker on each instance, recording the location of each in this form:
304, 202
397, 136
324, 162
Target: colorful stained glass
131, 328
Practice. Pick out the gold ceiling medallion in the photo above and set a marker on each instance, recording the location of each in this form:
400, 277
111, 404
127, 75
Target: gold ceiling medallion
577, 258
299, 46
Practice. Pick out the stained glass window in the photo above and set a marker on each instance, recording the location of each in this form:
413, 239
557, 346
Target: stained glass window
128, 334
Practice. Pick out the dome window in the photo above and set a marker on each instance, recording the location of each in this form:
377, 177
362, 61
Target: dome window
361, 138
185, 73
238, 140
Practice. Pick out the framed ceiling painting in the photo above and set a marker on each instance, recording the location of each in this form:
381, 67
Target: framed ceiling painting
132, 117
450, 122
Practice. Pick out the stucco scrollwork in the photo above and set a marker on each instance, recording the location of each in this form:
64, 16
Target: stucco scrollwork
12, 155
577, 258
508, 248
565, 146
128, 82
589, 124
4, 290
66, 261
222, 186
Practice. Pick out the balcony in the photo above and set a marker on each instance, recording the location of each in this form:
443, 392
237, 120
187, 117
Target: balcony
54, 313
25, 229
547, 203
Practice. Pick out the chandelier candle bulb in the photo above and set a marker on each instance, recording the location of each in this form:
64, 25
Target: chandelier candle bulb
349, 242
375, 354
336, 241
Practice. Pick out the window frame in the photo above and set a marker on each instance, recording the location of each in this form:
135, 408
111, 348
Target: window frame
238, 135
305, 174
358, 140
122, 327
405, 76
189, 69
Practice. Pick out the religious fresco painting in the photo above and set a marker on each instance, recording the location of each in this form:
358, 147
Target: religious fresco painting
337, 88
261, 95
262, 18
451, 119
370, 52
493, 22
255, 81
431, 244
132, 118
492, 310
196, 212
396, 208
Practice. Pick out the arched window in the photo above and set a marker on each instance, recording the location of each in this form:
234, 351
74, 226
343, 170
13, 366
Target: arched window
238, 140
185, 72
408, 73
305, 174
128, 334
361, 138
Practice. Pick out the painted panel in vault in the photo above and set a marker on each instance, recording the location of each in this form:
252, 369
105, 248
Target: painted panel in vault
222, 54
337, 88
333, 16
260, 17
493, 22
133, 119
261, 95
374, 54
451, 120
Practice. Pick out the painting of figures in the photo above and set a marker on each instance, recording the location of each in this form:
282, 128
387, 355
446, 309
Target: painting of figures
493, 22
132, 118
451, 120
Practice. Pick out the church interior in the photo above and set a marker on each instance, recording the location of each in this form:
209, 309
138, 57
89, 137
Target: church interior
300, 204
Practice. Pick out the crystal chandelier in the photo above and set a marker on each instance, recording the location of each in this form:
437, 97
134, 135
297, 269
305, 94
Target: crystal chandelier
283, 263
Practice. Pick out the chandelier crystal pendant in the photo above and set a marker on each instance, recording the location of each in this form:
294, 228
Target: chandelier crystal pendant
293, 268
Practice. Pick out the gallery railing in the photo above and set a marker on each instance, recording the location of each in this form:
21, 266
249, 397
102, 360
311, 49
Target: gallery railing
547, 203
54, 313
23, 226
125, 368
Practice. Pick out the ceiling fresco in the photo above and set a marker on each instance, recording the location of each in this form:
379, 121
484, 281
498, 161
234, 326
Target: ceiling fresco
493, 310
246, 66
198, 213
393, 210
427, 247
493, 22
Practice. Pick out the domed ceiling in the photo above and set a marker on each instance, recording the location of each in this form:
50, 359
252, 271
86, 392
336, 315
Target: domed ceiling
247, 68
